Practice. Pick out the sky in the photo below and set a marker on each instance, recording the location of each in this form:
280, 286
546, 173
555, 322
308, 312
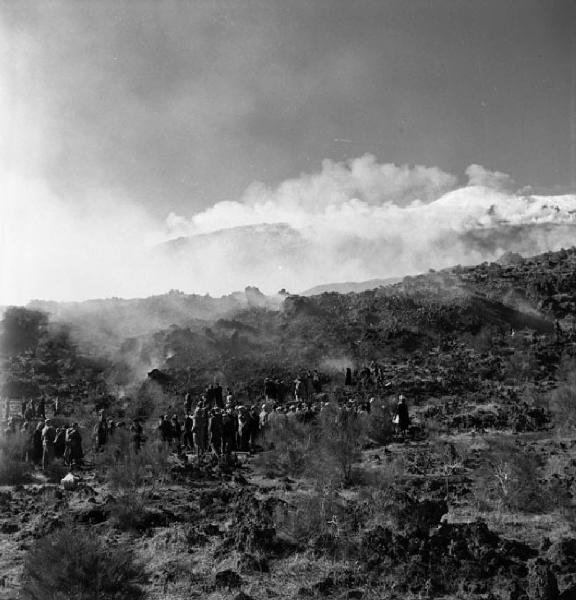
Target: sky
123, 122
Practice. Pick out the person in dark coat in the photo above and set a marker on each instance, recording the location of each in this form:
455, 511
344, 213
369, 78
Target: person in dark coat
60, 442
270, 389
101, 431
188, 403
229, 425
41, 409
164, 429
218, 395
402, 416
37, 448
74, 452
348, 380
254, 427
188, 439
209, 396
137, 435
176, 432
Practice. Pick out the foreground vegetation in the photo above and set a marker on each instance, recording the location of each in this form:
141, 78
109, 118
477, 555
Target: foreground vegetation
477, 502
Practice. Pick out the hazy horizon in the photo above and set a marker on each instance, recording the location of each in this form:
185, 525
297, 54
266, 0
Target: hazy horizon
383, 134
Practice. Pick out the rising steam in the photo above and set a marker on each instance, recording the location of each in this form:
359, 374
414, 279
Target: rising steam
350, 222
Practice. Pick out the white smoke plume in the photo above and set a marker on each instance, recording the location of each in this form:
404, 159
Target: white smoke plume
351, 221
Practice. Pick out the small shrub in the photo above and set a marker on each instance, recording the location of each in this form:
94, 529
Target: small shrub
129, 513
72, 565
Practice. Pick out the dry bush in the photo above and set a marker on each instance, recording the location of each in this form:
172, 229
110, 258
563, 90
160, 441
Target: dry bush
129, 513
14, 470
290, 442
342, 435
126, 469
513, 480
71, 565
320, 520
326, 449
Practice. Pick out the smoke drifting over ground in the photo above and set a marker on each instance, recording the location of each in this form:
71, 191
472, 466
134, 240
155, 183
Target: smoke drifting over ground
351, 221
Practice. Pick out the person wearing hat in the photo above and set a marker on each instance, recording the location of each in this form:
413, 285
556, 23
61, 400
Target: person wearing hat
48, 438
74, 453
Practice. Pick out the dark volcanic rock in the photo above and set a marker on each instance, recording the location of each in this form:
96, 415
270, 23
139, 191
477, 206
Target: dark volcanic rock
541, 582
227, 579
562, 556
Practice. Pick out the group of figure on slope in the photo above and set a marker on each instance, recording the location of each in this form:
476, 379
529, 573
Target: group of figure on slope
45, 442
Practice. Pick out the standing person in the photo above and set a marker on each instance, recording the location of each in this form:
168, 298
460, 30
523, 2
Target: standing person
37, 447
176, 433
254, 427
309, 384
188, 439
348, 378
298, 389
229, 397
215, 431
187, 403
199, 429
316, 382
270, 389
74, 452
210, 395
137, 435
228, 431
218, 395
402, 416
48, 438
101, 431
56, 406
41, 408
60, 442
244, 426
164, 429
263, 418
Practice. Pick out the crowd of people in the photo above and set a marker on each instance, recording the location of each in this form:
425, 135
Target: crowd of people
45, 442
215, 422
